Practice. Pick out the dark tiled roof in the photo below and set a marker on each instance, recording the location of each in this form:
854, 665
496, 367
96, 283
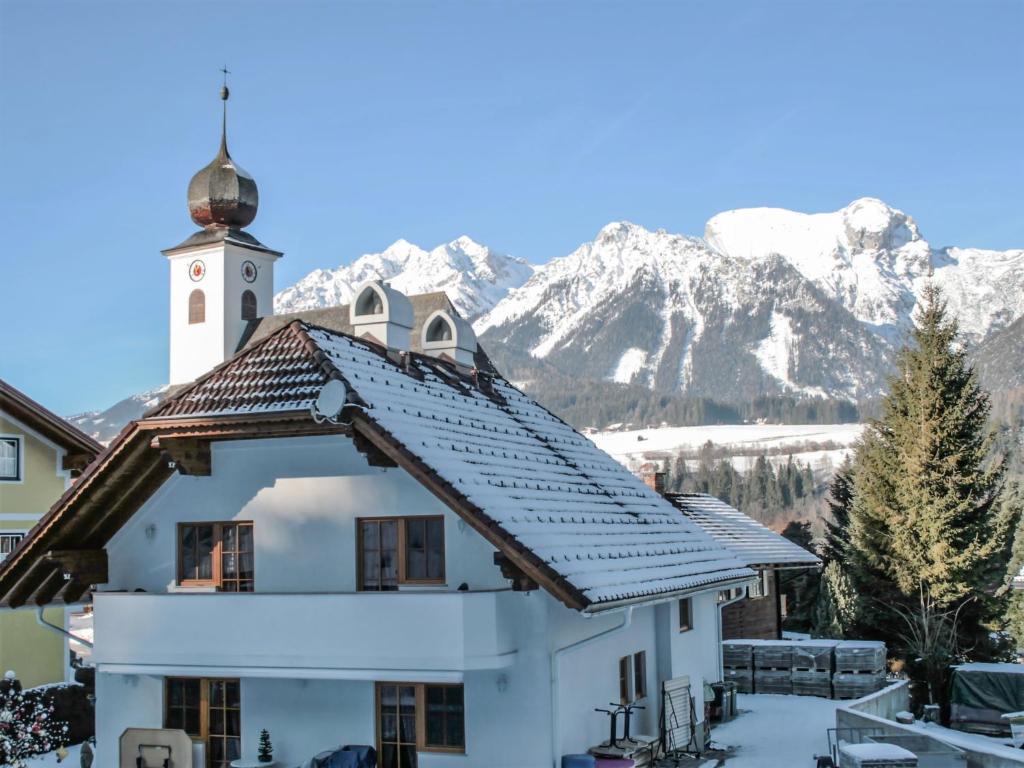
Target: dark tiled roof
63, 433
753, 543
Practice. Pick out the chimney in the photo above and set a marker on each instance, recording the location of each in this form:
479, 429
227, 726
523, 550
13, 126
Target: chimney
447, 336
382, 315
653, 477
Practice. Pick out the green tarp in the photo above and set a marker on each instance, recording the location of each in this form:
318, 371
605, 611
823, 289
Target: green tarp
998, 687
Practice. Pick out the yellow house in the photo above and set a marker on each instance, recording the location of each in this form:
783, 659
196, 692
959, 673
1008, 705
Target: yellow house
40, 455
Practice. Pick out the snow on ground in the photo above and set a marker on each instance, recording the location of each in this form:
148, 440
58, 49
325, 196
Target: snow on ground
631, 362
777, 730
633, 447
49, 760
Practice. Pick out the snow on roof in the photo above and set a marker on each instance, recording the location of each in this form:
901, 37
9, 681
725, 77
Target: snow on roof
552, 489
753, 543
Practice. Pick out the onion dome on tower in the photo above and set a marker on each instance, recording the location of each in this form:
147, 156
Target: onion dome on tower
222, 194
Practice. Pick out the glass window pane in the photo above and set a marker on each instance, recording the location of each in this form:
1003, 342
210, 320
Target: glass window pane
234, 723
388, 756
234, 693
188, 552
246, 567
435, 549
174, 718
416, 564
192, 722
234, 749
216, 749
230, 535
205, 551
216, 693
388, 726
245, 538
192, 692
371, 539
416, 533
389, 535
229, 566
408, 756
455, 735
408, 724
435, 730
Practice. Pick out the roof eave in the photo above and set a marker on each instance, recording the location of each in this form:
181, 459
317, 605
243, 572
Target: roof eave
666, 597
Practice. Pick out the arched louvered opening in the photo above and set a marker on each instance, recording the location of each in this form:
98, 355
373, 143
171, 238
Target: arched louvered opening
249, 306
369, 303
196, 307
439, 330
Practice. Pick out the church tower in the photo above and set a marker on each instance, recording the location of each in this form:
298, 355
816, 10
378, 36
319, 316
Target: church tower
221, 277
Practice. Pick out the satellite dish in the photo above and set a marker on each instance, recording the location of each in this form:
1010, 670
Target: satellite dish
330, 401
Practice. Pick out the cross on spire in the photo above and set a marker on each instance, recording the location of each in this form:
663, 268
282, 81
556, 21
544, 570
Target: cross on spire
224, 94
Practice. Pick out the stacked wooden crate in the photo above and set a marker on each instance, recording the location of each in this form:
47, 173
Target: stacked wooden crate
812, 667
773, 666
738, 664
860, 668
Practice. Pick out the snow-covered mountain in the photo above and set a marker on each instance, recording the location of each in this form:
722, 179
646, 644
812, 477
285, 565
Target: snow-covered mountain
768, 302
474, 277
104, 425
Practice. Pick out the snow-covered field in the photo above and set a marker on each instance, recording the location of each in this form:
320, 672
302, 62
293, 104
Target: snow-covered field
802, 441
775, 730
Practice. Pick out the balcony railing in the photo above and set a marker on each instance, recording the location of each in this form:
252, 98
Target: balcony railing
336, 635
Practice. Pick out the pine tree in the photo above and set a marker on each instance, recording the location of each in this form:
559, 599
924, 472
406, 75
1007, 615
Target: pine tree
927, 534
265, 751
835, 612
837, 530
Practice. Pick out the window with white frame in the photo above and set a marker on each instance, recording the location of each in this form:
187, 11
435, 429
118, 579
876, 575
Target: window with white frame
8, 541
10, 458
762, 587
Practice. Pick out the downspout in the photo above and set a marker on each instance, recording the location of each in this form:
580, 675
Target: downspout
556, 657
718, 615
59, 630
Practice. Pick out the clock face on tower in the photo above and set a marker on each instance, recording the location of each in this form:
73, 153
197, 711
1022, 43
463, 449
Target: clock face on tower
248, 271
197, 270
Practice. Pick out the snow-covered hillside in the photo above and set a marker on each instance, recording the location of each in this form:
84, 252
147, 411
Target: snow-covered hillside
474, 277
822, 446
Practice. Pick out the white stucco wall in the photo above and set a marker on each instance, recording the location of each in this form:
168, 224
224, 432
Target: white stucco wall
303, 496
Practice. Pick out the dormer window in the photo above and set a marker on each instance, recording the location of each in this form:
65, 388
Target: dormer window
369, 303
196, 307
439, 330
249, 305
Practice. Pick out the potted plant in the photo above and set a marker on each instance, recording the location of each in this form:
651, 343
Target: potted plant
265, 752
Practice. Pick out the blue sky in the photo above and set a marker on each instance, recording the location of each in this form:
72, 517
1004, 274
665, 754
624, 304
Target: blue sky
525, 125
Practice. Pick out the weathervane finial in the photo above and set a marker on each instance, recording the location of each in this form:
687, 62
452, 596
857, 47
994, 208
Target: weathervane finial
224, 94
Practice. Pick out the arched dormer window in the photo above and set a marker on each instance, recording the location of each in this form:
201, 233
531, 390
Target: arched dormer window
369, 303
439, 330
196, 307
249, 305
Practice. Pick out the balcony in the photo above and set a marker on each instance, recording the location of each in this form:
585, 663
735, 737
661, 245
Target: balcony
364, 635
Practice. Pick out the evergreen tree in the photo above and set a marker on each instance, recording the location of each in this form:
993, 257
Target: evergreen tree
927, 534
837, 530
835, 612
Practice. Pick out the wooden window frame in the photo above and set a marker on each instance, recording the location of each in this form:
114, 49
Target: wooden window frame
685, 626
204, 708
403, 578
639, 675
421, 715
626, 680
217, 579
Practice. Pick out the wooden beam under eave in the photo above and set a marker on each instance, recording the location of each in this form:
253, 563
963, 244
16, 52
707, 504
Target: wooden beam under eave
75, 463
89, 566
51, 585
191, 455
72, 591
26, 585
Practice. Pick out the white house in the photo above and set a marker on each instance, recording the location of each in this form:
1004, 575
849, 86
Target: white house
353, 530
